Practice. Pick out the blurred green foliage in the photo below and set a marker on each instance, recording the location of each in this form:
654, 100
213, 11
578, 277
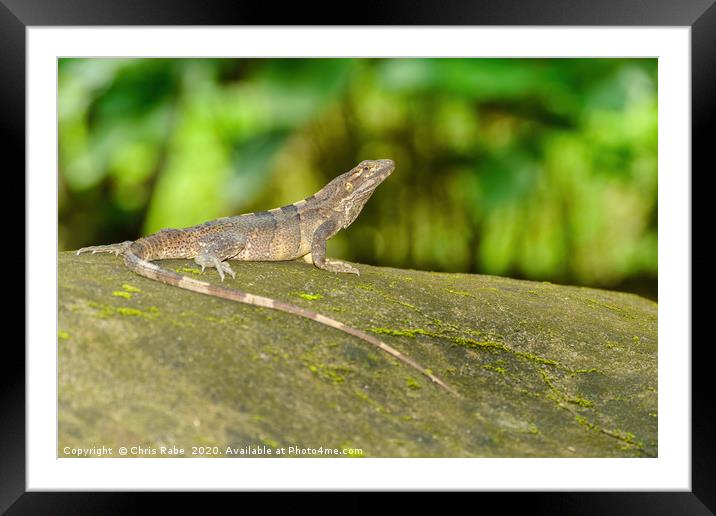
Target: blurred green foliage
534, 168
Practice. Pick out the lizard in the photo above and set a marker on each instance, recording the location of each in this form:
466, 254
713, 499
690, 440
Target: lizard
294, 231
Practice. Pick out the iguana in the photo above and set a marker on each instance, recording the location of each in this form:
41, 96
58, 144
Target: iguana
298, 230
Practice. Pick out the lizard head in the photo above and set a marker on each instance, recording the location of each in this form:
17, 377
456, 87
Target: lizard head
350, 191
366, 176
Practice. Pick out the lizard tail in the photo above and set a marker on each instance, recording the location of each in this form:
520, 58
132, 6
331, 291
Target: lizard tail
152, 271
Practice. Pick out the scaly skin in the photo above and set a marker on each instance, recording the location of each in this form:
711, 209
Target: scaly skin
298, 230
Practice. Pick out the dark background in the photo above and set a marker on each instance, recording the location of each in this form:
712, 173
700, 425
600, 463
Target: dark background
542, 169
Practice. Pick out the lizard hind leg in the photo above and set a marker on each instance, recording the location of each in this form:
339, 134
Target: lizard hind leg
117, 249
205, 259
214, 254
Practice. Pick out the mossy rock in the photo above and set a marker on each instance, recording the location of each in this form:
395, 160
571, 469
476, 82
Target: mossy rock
543, 370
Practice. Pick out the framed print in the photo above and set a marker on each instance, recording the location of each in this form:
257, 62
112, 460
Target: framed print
407, 254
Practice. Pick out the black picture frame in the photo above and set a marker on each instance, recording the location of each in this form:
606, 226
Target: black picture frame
17, 15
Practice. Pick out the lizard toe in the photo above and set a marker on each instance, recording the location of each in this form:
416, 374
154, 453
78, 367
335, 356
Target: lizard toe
338, 266
227, 269
219, 267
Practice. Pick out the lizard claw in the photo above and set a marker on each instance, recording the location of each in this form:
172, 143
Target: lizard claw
218, 266
206, 259
338, 266
227, 269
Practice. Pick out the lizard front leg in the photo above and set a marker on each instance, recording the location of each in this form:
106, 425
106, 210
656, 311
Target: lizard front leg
215, 253
318, 250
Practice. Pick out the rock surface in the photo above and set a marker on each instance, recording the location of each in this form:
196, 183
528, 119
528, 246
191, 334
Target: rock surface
543, 370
